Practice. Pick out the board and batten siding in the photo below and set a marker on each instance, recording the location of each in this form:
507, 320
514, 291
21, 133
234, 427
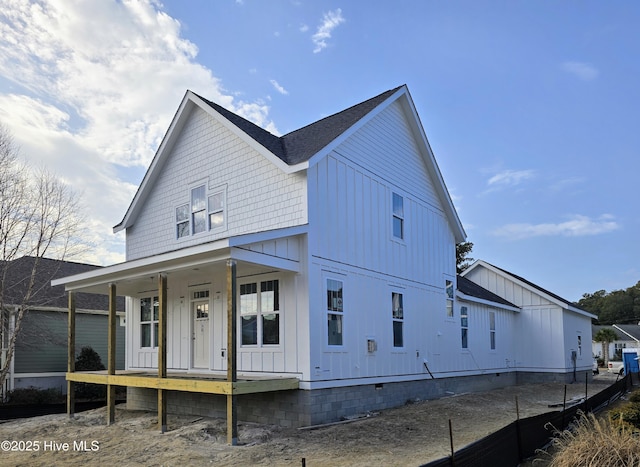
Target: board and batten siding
281, 358
350, 205
42, 345
351, 240
259, 196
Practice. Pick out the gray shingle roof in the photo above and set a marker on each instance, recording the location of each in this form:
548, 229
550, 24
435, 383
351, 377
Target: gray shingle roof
19, 271
300, 145
472, 289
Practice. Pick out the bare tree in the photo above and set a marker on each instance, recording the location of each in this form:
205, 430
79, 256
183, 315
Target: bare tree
39, 218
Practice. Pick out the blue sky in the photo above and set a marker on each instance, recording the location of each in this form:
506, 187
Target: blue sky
531, 108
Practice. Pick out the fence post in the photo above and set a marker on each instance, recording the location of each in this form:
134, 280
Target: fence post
453, 460
518, 431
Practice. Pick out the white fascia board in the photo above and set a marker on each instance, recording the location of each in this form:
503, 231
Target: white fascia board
481, 301
275, 160
152, 173
267, 235
434, 169
625, 333
165, 262
531, 289
84, 311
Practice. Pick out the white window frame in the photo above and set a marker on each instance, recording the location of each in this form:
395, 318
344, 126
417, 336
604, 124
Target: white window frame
397, 318
152, 322
464, 327
449, 294
334, 307
492, 330
222, 192
397, 216
183, 217
263, 310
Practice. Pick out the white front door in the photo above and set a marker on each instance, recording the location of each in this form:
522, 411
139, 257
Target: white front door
200, 316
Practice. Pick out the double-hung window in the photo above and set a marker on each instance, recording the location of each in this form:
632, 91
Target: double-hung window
448, 286
260, 313
398, 216
464, 326
492, 329
149, 322
397, 314
334, 312
204, 211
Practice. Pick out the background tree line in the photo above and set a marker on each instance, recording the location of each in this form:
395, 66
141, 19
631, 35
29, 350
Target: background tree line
616, 307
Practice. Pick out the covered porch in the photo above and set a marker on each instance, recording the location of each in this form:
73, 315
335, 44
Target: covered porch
155, 274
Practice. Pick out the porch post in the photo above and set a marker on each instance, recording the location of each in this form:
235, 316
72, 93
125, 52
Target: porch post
111, 355
232, 348
162, 350
71, 354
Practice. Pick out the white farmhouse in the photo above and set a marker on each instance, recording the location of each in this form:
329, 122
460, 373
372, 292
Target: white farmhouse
304, 278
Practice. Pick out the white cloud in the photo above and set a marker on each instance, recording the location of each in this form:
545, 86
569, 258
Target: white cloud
304, 28
576, 226
278, 88
94, 88
510, 177
330, 21
584, 71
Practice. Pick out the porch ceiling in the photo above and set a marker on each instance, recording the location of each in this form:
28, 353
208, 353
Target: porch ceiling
133, 277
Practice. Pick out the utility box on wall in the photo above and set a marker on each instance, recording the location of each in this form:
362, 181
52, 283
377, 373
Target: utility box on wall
372, 345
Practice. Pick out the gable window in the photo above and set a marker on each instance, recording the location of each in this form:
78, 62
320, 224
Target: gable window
149, 322
398, 216
216, 210
397, 315
198, 209
183, 225
260, 313
334, 312
492, 329
464, 326
204, 211
449, 291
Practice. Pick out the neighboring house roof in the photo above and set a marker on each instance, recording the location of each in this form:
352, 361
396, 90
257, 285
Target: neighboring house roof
532, 287
632, 331
295, 151
18, 274
469, 288
621, 336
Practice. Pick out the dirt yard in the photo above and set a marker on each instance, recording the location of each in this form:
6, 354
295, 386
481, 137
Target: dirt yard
406, 436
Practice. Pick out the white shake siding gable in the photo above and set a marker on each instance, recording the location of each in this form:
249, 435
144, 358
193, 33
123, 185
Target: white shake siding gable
259, 196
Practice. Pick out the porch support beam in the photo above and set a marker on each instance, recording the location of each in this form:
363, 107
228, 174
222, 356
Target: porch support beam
71, 354
162, 350
111, 355
232, 357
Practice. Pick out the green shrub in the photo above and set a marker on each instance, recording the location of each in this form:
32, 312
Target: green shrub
34, 396
627, 413
89, 360
635, 397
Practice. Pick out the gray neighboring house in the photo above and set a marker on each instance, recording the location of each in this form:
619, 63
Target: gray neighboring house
628, 338
40, 358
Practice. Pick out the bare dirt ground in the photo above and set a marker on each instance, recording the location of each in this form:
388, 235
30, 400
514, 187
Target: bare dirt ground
407, 436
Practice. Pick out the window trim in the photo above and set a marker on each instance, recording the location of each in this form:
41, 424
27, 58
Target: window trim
152, 323
220, 190
399, 216
330, 312
464, 327
260, 313
492, 331
395, 319
191, 212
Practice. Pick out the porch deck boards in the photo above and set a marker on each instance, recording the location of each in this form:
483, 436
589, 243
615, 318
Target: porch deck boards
189, 382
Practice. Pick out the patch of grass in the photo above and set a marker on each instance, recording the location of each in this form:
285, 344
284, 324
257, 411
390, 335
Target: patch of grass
597, 442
